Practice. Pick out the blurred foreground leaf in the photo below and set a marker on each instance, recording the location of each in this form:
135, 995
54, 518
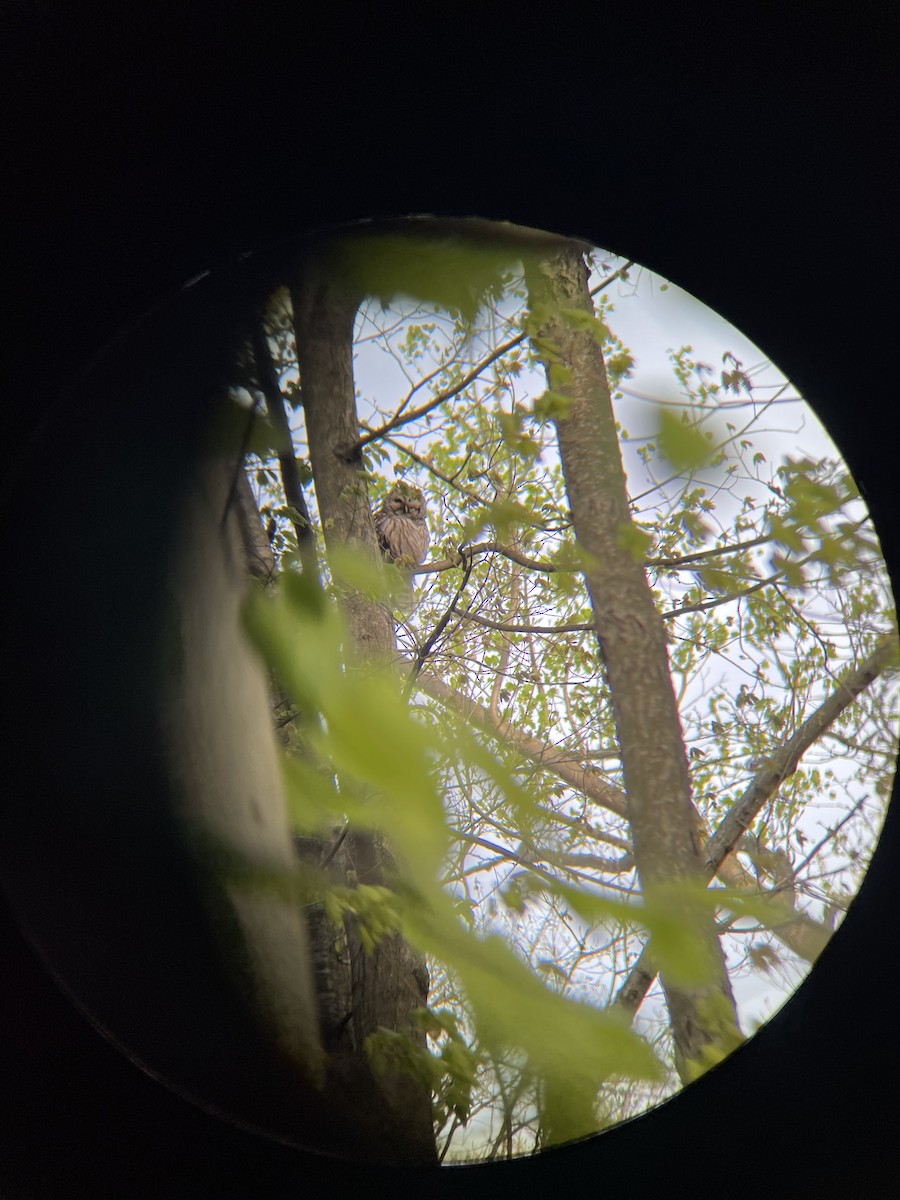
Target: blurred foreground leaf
380, 765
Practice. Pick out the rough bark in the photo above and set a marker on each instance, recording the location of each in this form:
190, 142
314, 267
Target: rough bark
358, 993
631, 637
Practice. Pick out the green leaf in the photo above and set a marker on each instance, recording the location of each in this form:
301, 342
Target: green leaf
718, 579
313, 800
793, 573
551, 406
579, 318
681, 442
565, 1040
633, 539
786, 533
360, 573
695, 527
450, 272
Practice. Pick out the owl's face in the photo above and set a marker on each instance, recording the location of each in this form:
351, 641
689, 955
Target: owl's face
401, 526
405, 501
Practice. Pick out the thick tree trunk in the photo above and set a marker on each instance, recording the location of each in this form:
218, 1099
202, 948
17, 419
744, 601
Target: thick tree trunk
358, 993
313, 997
223, 752
324, 311
631, 636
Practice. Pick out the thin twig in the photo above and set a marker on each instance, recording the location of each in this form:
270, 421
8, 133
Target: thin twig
403, 418
425, 649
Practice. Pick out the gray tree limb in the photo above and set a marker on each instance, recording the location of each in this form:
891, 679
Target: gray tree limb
631, 636
799, 937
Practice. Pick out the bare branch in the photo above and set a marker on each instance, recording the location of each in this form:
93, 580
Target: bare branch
801, 934
700, 555
528, 862
267, 377
510, 627
581, 861
450, 482
704, 605
404, 417
260, 557
516, 556
829, 835
560, 763
779, 767
447, 394
784, 762
425, 649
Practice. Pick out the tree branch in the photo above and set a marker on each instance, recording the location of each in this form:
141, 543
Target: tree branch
559, 762
801, 934
287, 461
516, 556
403, 418
510, 627
686, 559
704, 605
447, 394
784, 762
416, 458
529, 863
736, 822
425, 649
260, 557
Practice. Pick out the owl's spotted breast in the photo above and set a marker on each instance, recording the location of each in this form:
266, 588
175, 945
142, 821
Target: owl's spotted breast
401, 527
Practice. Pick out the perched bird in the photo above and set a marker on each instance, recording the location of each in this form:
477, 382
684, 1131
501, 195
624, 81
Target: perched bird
401, 528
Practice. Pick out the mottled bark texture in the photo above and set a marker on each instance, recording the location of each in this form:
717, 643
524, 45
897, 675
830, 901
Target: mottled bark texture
358, 993
631, 636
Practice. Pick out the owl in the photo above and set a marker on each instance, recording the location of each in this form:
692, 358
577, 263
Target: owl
400, 525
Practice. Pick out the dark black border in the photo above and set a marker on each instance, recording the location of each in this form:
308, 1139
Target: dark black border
747, 159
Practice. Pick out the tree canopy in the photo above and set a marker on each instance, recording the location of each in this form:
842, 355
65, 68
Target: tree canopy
582, 872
